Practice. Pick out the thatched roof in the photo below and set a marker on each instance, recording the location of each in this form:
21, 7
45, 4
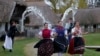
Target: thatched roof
6, 9
41, 3
87, 16
33, 0
48, 14
24, 2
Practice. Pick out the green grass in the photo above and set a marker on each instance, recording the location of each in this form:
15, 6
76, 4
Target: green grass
18, 49
89, 52
92, 39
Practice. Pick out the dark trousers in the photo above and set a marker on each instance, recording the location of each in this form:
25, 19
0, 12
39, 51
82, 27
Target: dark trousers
69, 38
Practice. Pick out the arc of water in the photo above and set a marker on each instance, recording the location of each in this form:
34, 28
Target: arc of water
34, 10
48, 3
73, 8
66, 13
21, 21
60, 3
37, 12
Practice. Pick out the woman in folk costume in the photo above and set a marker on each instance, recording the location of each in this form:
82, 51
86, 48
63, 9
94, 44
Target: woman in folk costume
9, 40
77, 44
60, 41
45, 46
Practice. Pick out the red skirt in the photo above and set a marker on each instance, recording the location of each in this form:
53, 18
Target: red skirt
76, 46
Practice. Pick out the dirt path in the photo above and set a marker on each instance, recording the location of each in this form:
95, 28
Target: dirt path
30, 51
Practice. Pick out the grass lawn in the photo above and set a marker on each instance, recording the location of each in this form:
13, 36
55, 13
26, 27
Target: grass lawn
89, 52
18, 49
91, 39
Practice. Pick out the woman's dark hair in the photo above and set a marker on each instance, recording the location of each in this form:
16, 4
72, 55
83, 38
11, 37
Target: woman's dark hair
11, 22
59, 21
76, 22
70, 18
45, 23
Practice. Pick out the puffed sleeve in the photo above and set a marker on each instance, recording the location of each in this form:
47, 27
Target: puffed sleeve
40, 33
52, 32
73, 30
66, 32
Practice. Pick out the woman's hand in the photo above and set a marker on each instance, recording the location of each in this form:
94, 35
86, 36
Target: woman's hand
55, 34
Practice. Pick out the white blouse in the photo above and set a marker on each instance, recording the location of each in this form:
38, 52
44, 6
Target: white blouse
79, 34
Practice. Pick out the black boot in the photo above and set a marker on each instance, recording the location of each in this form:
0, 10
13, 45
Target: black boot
10, 50
3, 47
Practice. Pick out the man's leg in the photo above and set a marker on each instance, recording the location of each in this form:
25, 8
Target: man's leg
60, 54
80, 55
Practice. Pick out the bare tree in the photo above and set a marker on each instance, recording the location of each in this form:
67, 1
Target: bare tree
59, 6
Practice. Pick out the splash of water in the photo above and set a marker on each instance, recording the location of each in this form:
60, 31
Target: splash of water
73, 8
66, 13
61, 3
36, 11
49, 3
